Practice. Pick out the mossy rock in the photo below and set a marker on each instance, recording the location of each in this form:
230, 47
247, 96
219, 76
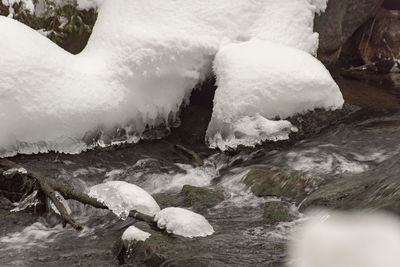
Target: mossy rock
276, 212
198, 198
274, 183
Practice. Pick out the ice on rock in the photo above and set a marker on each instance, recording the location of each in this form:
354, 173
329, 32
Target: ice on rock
133, 233
140, 65
122, 197
259, 81
183, 222
15, 170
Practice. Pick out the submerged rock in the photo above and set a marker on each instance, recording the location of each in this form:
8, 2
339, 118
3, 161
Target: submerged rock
274, 183
276, 212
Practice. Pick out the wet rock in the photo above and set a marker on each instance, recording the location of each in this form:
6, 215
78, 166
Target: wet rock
379, 40
341, 19
276, 212
341, 193
315, 121
274, 183
198, 198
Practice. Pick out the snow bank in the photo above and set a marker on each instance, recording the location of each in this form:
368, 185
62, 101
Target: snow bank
259, 80
133, 233
183, 222
335, 239
122, 197
141, 63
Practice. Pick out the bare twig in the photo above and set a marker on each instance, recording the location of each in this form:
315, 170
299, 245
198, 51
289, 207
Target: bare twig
195, 156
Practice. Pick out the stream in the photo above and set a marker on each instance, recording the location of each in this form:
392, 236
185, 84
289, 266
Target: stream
366, 144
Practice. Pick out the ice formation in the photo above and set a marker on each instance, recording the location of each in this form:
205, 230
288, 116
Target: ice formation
122, 197
133, 233
183, 222
337, 239
259, 80
140, 65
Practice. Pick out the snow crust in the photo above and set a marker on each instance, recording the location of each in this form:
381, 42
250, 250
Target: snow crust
259, 80
183, 222
122, 197
337, 239
133, 233
140, 65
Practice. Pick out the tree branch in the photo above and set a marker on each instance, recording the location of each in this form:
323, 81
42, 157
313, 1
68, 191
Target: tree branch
49, 186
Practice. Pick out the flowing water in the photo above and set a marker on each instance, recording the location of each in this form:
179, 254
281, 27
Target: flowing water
366, 145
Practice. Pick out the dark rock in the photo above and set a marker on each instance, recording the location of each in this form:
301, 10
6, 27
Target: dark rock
273, 183
276, 212
341, 19
391, 4
379, 40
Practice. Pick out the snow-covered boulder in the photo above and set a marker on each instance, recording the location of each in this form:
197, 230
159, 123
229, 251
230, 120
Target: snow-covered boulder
122, 197
133, 233
183, 222
259, 81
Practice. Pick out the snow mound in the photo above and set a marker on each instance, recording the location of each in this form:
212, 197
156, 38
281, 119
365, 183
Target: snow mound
140, 65
122, 197
336, 239
259, 81
133, 233
183, 222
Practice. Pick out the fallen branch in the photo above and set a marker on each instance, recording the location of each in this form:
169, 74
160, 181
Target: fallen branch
49, 186
50, 193
195, 156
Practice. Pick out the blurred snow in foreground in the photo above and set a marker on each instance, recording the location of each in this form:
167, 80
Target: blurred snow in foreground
347, 239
